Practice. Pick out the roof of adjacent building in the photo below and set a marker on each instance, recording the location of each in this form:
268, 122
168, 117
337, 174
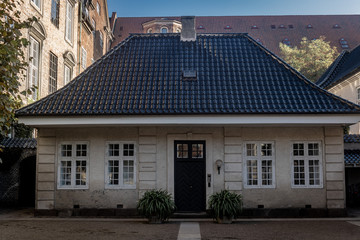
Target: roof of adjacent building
352, 157
228, 74
269, 30
346, 65
352, 138
29, 143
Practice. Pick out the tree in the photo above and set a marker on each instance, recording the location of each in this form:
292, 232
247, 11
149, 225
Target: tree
312, 58
13, 62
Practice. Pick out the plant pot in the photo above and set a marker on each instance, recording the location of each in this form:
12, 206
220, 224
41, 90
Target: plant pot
224, 220
155, 220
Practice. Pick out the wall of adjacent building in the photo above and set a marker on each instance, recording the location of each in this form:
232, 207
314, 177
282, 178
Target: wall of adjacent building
155, 165
347, 89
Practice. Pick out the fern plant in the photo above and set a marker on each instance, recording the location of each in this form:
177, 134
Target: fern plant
225, 204
156, 203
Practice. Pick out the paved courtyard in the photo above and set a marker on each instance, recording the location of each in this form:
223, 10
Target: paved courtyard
22, 225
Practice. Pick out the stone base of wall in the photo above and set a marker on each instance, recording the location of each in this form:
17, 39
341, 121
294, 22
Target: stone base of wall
247, 213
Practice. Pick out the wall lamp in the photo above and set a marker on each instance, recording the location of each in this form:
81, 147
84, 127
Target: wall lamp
218, 164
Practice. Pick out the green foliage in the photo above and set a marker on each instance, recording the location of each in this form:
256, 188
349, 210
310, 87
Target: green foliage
157, 203
225, 203
311, 59
12, 61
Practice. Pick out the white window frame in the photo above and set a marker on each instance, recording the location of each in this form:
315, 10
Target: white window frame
98, 8
83, 57
121, 160
67, 74
258, 158
101, 39
34, 66
306, 159
36, 5
167, 30
73, 160
69, 22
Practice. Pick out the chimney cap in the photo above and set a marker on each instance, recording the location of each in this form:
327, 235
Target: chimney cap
188, 32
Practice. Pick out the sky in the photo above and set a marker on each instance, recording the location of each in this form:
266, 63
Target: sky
151, 8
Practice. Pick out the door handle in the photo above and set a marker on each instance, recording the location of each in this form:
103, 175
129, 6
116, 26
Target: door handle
209, 180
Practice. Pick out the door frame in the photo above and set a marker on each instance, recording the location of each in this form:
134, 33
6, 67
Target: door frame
209, 166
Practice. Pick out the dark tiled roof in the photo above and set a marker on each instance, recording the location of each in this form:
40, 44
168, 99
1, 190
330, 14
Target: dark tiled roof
18, 143
347, 64
352, 157
352, 138
322, 25
143, 75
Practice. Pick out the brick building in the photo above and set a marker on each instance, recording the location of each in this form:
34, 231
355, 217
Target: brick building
64, 41
343, 31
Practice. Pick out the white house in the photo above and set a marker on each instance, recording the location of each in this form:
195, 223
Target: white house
192, 114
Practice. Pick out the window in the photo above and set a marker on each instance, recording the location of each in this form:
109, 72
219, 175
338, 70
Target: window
282, 26
358, 96
37, 3
201, 27
69, 22
83, 57
73, 165
306, 165
120, 165
164, 30
336, 26
67, 74
259, 163
254, 27
55, 6
101, 40
94, 25
291, 26
34, 65
98, 7
286, 41
344, 44
309, 26
149, 30
273, 27
227, 27
53, 73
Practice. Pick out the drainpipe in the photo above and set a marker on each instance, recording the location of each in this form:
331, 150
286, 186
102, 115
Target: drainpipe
79, 42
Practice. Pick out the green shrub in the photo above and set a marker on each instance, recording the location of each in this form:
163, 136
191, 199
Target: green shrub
157, 203
225, 203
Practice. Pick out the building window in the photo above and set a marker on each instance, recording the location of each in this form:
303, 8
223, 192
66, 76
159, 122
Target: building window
309, 26
53, 73
344, 44
149, 30
67, 74
164, 30
69, 22
336, 26
34, 65
98, 8
55, 6
227, 27
120, 165
273, 27
94, 25
306, 165
259, 166
254, 27
282, 26
286, 41
73, 165
83, 57
358, 96
101, 40
37, 3
291, 26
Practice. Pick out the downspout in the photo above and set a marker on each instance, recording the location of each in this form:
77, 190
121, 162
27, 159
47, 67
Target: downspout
79, 42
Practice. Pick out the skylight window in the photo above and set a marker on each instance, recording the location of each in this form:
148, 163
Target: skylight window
344, 44
254, 27
201, 27
189, 74
309, 26
336, 26
281, 26
227, 27
291, 26
273, 26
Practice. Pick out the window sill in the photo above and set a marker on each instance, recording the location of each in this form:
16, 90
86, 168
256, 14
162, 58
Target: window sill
108, 187
73, 188
259, 187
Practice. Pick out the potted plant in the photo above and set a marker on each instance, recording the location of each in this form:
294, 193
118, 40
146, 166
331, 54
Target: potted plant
225, 206
156, 205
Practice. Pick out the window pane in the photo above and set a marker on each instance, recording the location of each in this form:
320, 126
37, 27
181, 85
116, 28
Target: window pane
66, 150
65, 173
197, 151
114, 150
55, 12
298, 149
182, 150
313, 149
299, 172
252, 172
128, 172
266, 149
251, 149
67, 75
314, 172
53, 73
266, 172
128, 150
81, 150
69, 21
113, 172
80, 173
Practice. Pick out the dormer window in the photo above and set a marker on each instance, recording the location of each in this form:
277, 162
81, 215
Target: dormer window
336, 26
254, 27
201, 27
309, 26
282, 26
227, 27
189, 74
164, 30
149, 30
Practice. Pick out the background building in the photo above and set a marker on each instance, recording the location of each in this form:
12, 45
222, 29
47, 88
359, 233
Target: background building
343, 31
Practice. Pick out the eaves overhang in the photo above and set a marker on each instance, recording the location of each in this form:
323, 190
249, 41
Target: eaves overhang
199, 120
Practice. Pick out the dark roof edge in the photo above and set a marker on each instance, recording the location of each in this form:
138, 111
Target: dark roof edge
18, 112
302, 77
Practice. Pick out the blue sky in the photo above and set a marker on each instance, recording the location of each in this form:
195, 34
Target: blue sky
139, 8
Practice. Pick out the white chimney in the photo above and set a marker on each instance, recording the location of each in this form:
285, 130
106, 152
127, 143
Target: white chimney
188, 32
